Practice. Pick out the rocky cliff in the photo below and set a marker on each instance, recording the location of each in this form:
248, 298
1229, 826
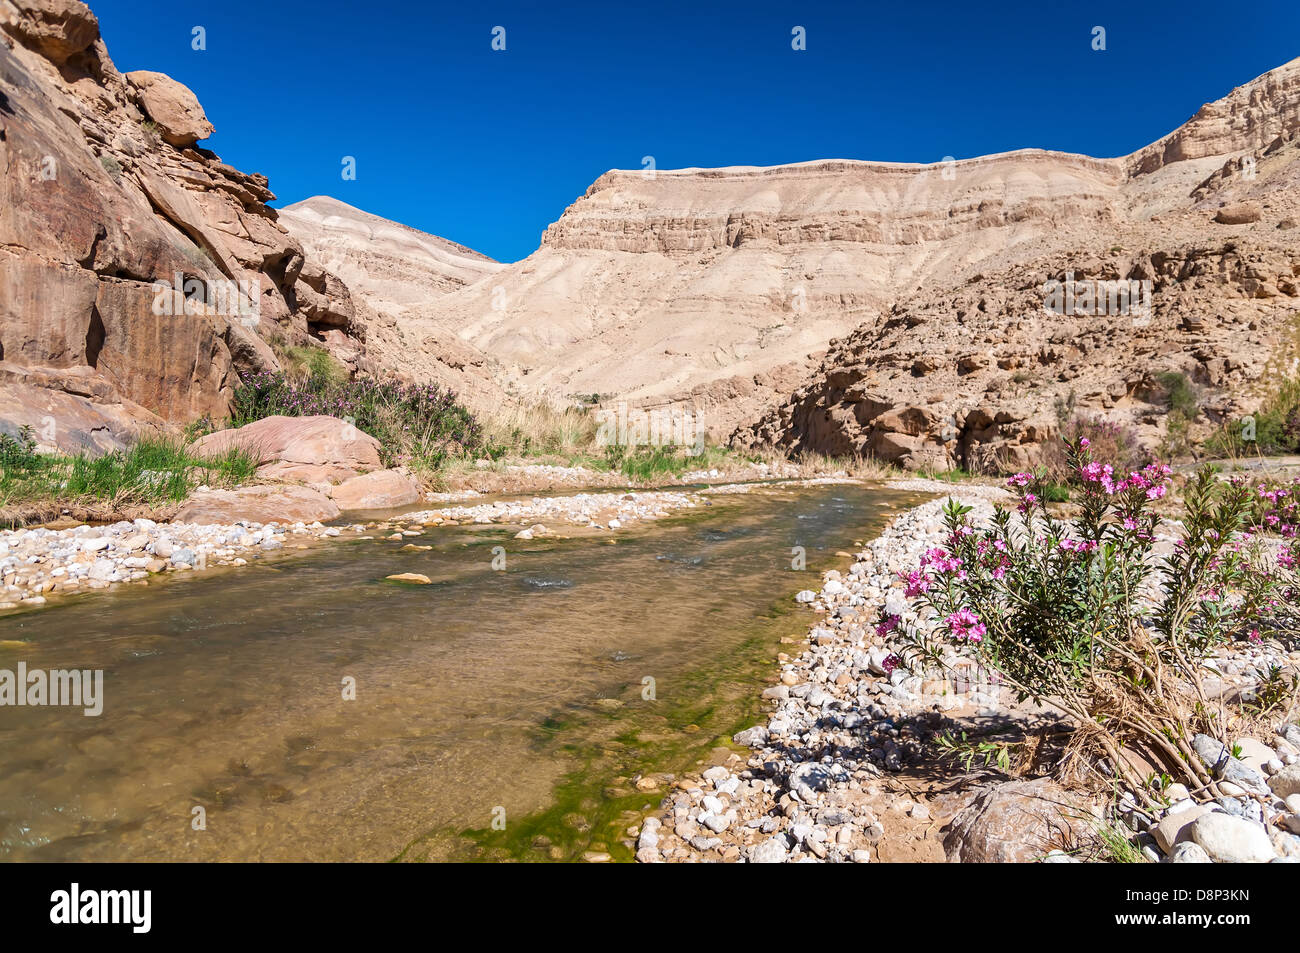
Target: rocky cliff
721, 289
396, 274
138, 272
979, 366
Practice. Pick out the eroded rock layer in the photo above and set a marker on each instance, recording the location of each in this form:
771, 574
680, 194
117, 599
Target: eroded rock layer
720, 289
106, 198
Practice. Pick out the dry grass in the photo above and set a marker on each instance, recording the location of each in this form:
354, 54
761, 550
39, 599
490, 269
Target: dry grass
542, 429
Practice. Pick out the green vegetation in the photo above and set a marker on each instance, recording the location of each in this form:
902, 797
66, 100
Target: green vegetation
1274, 428
420, 426
947, 476
153, 470
111, 166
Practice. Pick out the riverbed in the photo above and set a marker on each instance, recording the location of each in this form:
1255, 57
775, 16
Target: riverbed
308, 708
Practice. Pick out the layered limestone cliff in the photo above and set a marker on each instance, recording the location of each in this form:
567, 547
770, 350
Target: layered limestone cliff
721, 290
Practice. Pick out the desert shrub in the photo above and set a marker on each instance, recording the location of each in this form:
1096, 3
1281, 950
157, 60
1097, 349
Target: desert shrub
1088, 618
1180, 397
1273, 428
1110, 442
422, 425
19, 453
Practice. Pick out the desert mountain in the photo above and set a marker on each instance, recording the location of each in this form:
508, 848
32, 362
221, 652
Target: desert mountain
394, 274
979, 367
721, 289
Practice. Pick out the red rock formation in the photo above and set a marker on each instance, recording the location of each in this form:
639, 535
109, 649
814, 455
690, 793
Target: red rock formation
103, 194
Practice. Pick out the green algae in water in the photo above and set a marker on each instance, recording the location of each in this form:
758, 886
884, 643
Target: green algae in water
718, 701
222, 689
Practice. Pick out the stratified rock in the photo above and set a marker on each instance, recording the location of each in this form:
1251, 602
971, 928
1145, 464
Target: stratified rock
57, 29
137, 271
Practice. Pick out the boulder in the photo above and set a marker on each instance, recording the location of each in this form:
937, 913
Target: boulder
258, 504
1220, 760
381, 490
1239, 213
1286, 782
1174, 828
57, 29
1189, 852
317, 449
172, 107
1232, 840
1017, 822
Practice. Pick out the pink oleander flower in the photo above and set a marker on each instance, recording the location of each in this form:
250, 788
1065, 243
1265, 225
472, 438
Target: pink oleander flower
1254, 636
889, 663
965, 626
888, 624
1156, 492
940, 560
1020, 479
918, 583
1084, 443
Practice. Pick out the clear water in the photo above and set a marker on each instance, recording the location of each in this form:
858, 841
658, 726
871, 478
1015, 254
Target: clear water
512, 695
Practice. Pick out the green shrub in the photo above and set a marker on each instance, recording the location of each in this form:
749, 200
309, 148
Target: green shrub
419, 425
1091, 618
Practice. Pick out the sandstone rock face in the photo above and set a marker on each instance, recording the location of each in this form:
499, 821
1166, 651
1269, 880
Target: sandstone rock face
258, 504
316, 449
381, 490
172, 106
1015, 822
137, 277
979, 365
59, 29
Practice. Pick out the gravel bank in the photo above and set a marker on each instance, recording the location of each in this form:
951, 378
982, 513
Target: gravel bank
845, 720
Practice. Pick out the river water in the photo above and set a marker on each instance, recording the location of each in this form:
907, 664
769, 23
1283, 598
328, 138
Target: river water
498, 713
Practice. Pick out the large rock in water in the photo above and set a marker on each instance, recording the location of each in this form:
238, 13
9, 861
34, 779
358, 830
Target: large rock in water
381, 490
1017, 822
258, 504
316, 449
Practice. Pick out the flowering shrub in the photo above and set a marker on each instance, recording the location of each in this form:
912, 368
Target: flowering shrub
1110, 442
420, 424
1276, 514
1088, 617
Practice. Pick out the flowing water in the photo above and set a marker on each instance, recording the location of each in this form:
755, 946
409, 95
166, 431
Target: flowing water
524, 699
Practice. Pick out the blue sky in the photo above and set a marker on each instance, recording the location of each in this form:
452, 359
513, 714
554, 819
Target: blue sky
488, 148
